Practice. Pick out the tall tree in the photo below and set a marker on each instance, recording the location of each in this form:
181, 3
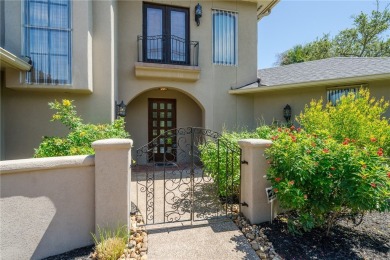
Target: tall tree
365, 39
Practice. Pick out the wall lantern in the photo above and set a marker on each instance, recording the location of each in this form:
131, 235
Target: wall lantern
120, 109
287, 113
198, 13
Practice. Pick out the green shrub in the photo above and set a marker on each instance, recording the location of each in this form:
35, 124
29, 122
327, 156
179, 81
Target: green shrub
224, 165
80, 137
337, 166
356, 117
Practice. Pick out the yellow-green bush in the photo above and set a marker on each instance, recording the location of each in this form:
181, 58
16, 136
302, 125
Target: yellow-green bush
80, 137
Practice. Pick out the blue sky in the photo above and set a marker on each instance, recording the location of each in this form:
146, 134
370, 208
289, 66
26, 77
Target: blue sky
293, 22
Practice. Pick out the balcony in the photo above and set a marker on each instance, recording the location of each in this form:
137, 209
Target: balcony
167, 57
167, 49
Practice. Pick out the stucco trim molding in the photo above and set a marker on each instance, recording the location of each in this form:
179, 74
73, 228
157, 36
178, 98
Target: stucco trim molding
37, 164
254, 143
50, 88
8, 59
167, 72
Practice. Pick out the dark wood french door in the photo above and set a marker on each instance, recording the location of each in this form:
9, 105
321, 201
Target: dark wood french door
166, 34
162, 117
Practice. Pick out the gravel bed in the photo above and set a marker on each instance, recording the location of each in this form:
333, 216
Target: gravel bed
369, 240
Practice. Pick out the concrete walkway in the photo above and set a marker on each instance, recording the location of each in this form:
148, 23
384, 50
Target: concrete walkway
166, 199
202, 240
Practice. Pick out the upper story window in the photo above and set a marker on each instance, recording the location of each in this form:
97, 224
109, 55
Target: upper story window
165, 34
225, 37
47, 40
335, 94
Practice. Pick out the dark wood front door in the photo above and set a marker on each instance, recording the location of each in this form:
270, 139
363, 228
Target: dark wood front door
162, 117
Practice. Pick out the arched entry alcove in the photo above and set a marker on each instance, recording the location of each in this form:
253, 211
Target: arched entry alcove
175, 109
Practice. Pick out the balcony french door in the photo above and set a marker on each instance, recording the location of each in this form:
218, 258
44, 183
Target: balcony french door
166, 34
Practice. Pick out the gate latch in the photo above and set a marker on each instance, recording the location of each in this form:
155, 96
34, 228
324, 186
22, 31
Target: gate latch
244, 204
244, 162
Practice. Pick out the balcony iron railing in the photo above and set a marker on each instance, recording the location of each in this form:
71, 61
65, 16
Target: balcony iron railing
167, 49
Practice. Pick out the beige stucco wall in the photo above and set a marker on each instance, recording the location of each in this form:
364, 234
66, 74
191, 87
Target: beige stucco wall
52, 205
380, 89
188, 113
47, 206
268, 106
210, 91
26, 115
2, 140
104, 54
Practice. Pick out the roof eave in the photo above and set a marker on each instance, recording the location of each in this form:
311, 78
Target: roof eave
264, 8
8, 59
339, 81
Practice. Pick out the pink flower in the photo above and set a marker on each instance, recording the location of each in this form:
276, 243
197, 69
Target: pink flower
325, 150
291, 183
276, 190
278, 179
380, 152
388, 174
274, 137
373, 185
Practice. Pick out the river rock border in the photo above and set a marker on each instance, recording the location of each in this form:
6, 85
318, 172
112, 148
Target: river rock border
256, 237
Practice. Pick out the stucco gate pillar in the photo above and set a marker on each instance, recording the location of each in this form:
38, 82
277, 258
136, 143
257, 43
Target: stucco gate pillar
112, 183
253, 182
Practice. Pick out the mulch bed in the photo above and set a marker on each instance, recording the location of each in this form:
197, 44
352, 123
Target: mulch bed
76, 254
369, 240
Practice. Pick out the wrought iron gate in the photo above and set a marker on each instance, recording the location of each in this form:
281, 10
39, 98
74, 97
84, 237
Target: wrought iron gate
197, 179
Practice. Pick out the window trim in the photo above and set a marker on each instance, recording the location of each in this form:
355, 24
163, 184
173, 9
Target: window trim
235, 64
26, 42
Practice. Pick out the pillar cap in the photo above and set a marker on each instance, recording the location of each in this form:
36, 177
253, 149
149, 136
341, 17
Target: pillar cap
254, 143
112, 144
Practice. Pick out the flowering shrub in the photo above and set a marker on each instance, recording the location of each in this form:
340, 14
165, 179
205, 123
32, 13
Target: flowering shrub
337, 166
81, 135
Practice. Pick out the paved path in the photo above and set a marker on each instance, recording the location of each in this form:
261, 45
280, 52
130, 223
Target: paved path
202, 240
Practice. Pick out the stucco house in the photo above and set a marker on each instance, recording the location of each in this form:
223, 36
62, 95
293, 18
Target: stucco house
171, 67
297, 84
173, 63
